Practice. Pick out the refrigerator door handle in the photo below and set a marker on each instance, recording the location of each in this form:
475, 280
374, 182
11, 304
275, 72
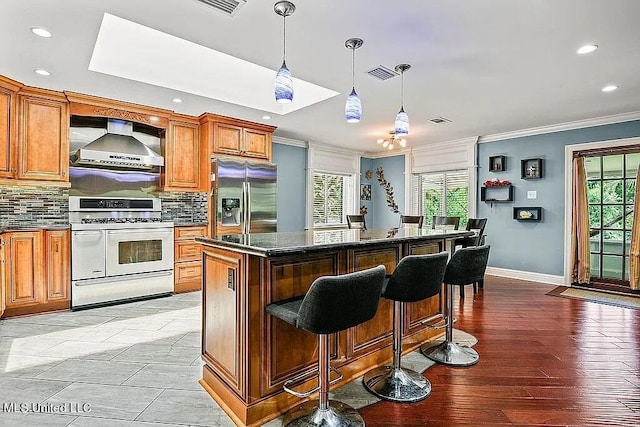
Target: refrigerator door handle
248, 195
245, 206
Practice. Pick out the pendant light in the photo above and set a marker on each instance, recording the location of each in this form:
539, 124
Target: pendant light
353, 106
402, 120
284, 81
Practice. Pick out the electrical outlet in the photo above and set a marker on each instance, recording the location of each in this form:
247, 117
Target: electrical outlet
532, 194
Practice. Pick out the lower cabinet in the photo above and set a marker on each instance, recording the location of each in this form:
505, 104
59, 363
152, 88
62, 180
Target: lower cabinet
188, 259
35, 271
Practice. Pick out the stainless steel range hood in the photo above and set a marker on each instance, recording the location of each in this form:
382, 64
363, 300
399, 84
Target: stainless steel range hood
118, 148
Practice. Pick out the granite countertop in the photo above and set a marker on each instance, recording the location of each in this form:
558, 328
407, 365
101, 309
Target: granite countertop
7, 228
288, 243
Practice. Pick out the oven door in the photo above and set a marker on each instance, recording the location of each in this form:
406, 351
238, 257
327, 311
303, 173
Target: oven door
87, 254
131, 251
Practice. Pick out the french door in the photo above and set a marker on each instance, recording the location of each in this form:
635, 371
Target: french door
611, 185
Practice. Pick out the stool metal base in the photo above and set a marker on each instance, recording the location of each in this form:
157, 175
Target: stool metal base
397, 384
308, 414
450, 353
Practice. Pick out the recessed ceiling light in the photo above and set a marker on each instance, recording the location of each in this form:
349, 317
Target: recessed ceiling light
42, 32
609, 88
266, 117
42, 72
588, 48
177, 100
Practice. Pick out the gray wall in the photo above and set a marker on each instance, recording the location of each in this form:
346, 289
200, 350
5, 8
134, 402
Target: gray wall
292, 177
393, 170
535, 246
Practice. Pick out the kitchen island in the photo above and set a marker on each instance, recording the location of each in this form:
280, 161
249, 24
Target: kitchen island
248, 354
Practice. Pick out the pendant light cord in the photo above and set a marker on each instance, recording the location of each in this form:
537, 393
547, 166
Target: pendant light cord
353, 68
284, 37
402, 91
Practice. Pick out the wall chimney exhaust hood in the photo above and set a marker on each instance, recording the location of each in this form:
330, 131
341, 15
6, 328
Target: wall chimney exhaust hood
118, 148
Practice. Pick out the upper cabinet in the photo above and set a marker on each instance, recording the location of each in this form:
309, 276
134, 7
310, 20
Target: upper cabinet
43, 135
181, 150
230, 137
8, 107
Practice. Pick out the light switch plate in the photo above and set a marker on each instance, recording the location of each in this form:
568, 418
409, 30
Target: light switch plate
532, 194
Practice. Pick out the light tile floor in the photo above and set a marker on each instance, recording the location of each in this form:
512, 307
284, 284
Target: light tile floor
130, 365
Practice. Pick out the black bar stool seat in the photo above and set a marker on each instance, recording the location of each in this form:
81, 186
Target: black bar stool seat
332, 304
416, 277
467, 266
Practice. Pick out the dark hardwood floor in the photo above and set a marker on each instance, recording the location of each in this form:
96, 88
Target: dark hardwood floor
544, 360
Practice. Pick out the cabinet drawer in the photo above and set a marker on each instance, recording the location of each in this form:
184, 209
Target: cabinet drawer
187, 250
188, 271
190, 232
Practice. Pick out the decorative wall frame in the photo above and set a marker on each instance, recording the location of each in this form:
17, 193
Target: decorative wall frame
497, 163
365, 192
527, 213
497, 193
531, 168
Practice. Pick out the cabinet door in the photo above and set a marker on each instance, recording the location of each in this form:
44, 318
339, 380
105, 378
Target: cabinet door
43, 149
7, 132
57, 265
182, 157
3, 284
23, 268
227, 139
257, 144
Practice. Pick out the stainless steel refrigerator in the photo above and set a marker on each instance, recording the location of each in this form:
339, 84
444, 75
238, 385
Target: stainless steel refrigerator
244, 196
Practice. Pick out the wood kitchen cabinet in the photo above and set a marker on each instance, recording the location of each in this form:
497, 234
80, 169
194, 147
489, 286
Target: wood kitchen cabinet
43, 135
36, 271
57, 265
8, 119
188, 259
232, 137
181, 150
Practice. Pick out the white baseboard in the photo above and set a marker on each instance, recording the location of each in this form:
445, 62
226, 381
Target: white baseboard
526, 275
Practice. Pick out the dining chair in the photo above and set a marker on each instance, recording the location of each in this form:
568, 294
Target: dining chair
446, 222
473, 224
412, 220
356, 221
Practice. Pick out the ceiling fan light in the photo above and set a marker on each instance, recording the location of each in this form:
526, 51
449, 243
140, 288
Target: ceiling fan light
403, 142
380, 141
284, 85
385, 143
353, 107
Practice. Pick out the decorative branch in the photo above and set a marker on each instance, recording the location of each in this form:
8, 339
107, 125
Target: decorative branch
388, 189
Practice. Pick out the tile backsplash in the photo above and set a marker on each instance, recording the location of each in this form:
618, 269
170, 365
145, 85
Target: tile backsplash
184, 207
33, 206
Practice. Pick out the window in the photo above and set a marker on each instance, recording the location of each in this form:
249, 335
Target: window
611, 184
442, 194
331, 201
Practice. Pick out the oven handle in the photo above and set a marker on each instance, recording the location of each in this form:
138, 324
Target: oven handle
141, 230
110, 279
87, 233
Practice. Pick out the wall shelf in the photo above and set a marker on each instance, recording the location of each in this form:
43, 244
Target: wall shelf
527, 213
497, 163
531, 168
498, 193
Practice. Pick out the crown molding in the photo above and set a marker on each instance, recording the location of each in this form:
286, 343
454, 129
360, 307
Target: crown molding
383, 154
578, 124
289, 141
333, 148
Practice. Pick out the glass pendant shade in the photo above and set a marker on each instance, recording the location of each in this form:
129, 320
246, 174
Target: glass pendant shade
353, 107
402, 123
284, 85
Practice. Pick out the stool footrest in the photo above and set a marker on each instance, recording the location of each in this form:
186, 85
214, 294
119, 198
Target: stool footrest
439, 325
296, 381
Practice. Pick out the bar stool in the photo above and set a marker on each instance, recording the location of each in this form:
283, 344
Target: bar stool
332, 304
416, 277
466, 266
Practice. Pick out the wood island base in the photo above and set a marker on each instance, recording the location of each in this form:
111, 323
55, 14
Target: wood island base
248, 354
